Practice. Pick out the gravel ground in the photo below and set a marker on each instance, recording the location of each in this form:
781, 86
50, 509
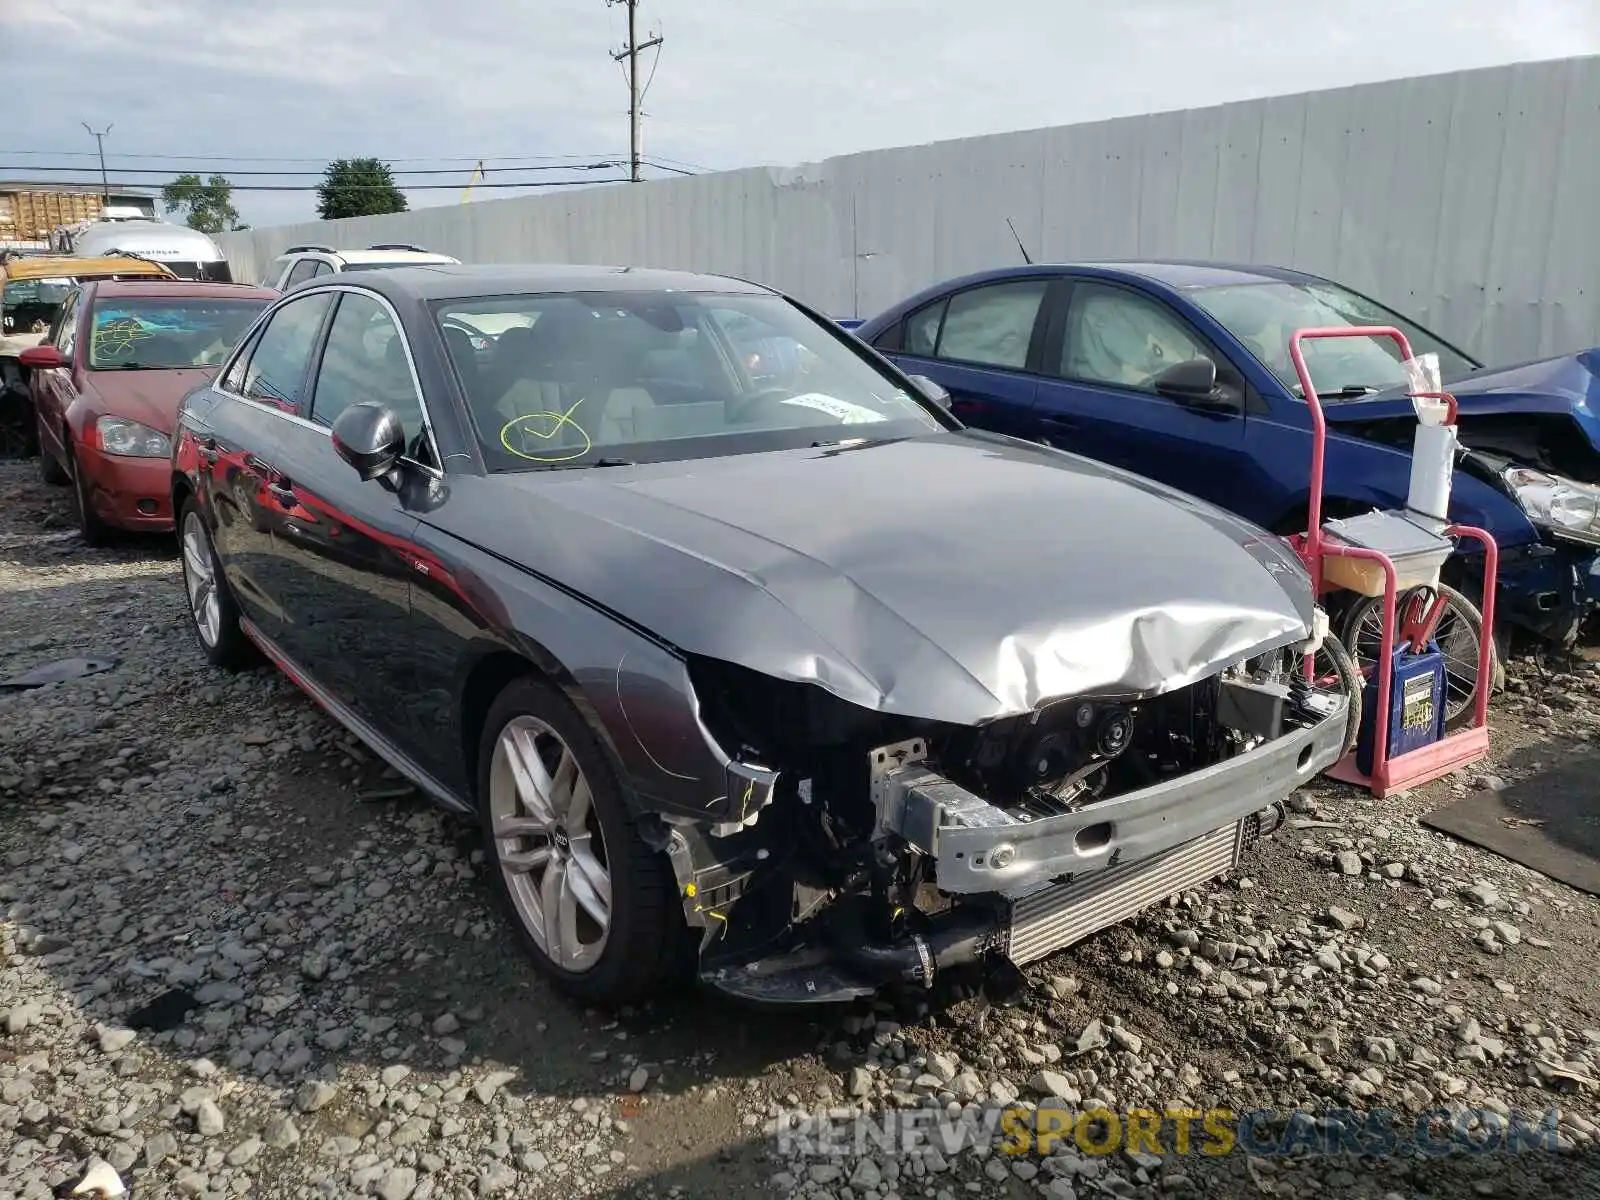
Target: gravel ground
236, 957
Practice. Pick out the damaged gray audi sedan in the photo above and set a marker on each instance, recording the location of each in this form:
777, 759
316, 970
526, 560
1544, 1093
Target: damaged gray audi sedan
744, 652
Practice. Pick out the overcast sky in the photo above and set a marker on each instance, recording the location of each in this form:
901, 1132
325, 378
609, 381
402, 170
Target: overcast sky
740, 82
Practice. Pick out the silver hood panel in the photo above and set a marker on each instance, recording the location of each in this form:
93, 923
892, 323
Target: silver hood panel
960, 577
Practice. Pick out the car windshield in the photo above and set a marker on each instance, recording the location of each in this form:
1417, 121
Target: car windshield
573, 378
149, 332
1264, 315
29, 305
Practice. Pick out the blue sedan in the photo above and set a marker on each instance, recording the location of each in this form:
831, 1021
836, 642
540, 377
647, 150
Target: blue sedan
1100, 359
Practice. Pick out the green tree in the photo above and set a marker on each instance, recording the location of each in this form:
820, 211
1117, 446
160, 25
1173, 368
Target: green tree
206, 206
358, 187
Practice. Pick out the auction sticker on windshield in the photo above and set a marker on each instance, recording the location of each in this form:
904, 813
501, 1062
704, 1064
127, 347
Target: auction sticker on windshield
843, 410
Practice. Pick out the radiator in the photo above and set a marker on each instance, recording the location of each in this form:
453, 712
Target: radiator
1061, 914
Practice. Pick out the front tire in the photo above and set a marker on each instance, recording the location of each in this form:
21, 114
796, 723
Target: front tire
49, 469
1332, 667
95, 531
213, 614
594, 906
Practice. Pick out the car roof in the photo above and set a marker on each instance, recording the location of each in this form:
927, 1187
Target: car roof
395, 256
453, 281
184, 288
1173, 274
47, 266
1184, 274
1179, 274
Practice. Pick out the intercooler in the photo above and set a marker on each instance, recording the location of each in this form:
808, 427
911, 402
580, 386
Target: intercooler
1059, 915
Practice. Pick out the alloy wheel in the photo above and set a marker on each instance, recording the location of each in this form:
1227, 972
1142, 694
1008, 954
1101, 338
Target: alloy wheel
200, 579
549, 844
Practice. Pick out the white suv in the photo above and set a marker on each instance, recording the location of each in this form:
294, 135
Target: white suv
299, 263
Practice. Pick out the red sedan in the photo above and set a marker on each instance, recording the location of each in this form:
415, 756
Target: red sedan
106, 385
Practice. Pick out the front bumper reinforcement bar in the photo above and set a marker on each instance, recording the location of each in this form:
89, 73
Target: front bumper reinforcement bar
979, 848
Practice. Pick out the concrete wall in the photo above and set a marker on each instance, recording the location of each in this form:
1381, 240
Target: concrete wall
1469, 201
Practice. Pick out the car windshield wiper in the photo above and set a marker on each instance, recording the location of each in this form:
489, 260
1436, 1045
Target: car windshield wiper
593, 462
126, 366
1350, 391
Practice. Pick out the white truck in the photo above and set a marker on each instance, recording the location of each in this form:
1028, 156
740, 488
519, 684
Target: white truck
186, 252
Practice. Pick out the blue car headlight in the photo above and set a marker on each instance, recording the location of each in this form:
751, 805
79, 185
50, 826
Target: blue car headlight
1564, 507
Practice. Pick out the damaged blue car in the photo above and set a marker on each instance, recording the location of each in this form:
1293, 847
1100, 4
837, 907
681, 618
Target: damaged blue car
1180, 371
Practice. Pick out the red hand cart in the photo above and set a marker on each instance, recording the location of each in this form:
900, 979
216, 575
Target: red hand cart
1317, 545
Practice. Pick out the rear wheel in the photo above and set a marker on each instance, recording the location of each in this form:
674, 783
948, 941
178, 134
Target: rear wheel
595, 907
1459, 627
213, 615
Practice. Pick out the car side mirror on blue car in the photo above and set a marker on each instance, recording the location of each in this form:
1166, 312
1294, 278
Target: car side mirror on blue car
1193, 383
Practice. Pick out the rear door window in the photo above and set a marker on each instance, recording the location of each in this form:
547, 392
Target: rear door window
992, 325
922, 329
277, 366
233, 379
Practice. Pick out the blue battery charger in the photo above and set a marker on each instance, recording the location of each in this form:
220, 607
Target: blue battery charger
1416, 705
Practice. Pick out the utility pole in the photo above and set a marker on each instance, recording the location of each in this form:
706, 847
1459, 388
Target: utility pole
631, 52
100, 143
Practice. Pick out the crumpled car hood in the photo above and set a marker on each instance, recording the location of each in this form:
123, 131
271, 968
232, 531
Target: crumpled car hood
959, 577
1567, 385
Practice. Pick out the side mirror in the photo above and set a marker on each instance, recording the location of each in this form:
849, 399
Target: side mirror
42, 358
932, 391
1194, 384
370, 438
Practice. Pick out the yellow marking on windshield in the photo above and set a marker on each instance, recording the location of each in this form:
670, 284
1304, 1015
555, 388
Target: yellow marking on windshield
116, 337
559, 419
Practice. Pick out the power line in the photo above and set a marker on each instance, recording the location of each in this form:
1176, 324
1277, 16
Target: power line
141, 178
312, 158
412, 187
401, 184
604, 165
220, 163
658, 160
631, 52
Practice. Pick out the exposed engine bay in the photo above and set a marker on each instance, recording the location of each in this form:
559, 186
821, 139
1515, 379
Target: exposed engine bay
1557, 603
890, 849
1551, 442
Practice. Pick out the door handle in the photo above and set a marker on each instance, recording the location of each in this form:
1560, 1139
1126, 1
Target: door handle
1061, 422
208, 452
283, 493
